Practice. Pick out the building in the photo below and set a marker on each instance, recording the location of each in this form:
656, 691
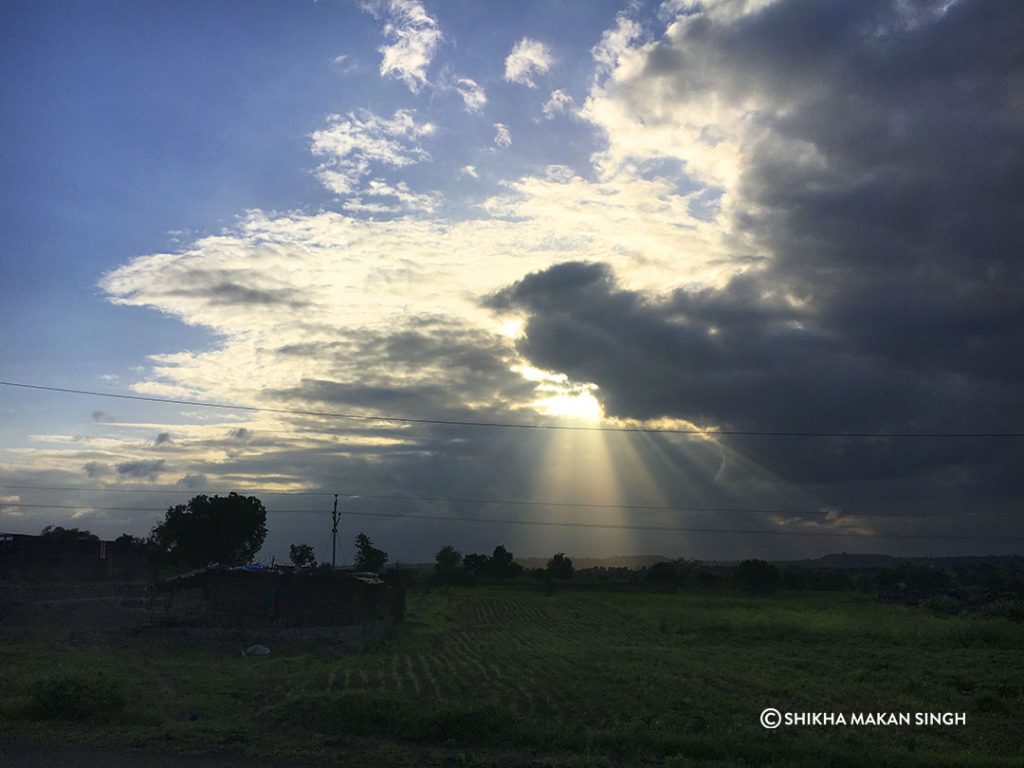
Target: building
58, 558
251, 597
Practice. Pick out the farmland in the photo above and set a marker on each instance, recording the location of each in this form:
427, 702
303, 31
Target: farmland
510, 676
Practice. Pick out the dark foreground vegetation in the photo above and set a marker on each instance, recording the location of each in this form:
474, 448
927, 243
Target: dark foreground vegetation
503, 675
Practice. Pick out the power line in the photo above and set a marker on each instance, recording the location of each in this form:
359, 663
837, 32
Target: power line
101, 489
512, 502
682, 529
511, 425
559, 524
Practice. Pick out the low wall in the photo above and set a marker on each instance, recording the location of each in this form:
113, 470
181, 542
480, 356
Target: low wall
246, 599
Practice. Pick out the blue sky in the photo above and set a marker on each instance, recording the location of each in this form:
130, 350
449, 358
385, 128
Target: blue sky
128, 127
597, 213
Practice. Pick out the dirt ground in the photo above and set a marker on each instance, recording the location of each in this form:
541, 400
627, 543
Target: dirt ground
28, 755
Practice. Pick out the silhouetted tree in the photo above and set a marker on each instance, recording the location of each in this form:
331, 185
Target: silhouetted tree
446, 569
560, 566
667, 575
133, 541
368, 557
212, 529
502, 565
302, 556
476, 566
67, 534
757, 577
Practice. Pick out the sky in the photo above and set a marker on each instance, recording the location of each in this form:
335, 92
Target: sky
656, 223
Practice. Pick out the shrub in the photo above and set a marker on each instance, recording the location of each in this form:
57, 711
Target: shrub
7, 601
757, 577
942, 604
69, 697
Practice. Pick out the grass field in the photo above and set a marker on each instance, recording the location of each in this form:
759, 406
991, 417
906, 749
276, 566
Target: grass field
507, 676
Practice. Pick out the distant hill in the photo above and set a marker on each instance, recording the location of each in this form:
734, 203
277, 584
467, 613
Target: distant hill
618, 561
844, 560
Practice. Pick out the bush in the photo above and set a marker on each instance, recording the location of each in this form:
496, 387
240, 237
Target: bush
757, 577
69, 697
7, 601
946, 605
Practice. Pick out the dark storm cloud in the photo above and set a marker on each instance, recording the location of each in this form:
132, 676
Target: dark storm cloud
429, 368
96, 469
193, 481
894, 297
907, 232
228, 293
141, 469
234, 294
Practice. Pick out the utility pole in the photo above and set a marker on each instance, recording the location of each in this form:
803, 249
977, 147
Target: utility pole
334, 534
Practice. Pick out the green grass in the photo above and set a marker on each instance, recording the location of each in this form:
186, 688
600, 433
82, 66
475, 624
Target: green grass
506, 676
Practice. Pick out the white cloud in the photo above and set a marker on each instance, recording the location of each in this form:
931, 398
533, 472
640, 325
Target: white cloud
469, 170
413, 36
502, 136
615, 42
345, 64
643, 119
404, 199
557, 103
353, 143
472, 94
527, 59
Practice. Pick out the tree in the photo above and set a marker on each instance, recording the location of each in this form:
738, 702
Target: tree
67, 534
502, 565
132, 541
560, 566
368, 557
476, 566
757, 577
212, 529
302, 556
448, 560
667, 575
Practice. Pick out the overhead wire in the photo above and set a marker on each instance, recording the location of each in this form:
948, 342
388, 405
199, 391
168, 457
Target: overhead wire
513, 502
379, 417
564, 524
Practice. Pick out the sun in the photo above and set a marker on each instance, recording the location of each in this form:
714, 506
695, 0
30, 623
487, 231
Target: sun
581, 406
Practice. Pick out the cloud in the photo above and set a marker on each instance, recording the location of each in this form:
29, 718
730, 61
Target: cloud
344, 64
193, 482
615, 42
502, 136
473, 96
796, 219
162, 439
469, 170
527, 59
743, 357
413, 37
401, 197
142, 470
96, 469
355, 143
558, 102
872, 234
104, 417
